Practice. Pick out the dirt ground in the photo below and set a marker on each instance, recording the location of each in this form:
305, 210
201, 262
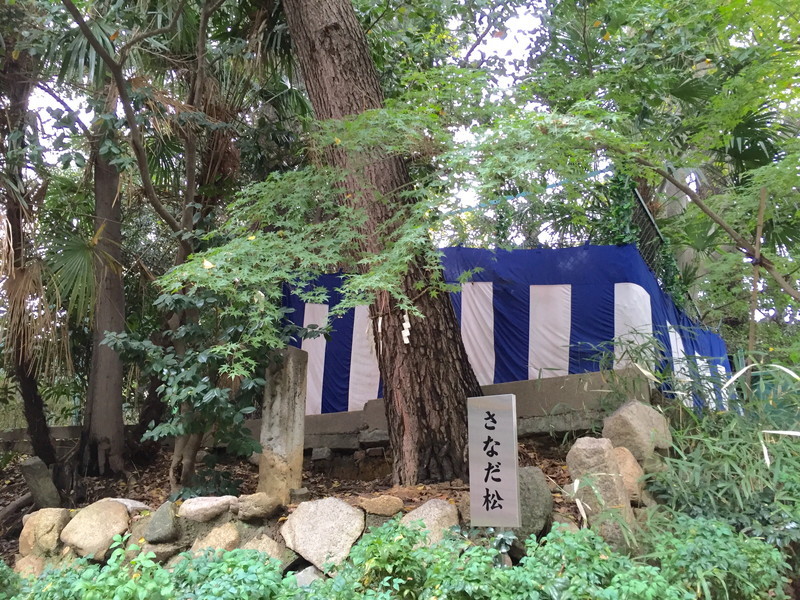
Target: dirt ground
148, 483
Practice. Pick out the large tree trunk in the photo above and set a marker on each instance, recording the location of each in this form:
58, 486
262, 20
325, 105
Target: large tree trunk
17, 81
426, 382
104, 438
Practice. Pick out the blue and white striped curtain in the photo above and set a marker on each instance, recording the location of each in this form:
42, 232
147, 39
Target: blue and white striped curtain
528, 314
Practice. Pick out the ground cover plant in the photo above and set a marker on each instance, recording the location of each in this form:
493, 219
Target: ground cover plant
392, 562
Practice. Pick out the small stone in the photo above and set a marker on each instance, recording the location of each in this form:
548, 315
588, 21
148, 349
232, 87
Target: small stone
222, 537
299, 495
385, 505
41, 531
375, 452
163, 552
266, 545
359, 455
91, 532
163, 526
321, 454
30, 566
308, 576
133, 506
323, 531
535, 503
257, 506
565, 521
437, 516
254, 459
205, 508
40, 482
631, 473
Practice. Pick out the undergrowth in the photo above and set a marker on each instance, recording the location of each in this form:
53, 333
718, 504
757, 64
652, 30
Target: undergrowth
393, 562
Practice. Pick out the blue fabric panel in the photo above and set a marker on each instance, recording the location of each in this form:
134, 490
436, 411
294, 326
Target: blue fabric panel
338, 353
511, 331
592, 326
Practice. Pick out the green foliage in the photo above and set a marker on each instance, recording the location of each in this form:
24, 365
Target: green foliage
691, 558
9, 582
726, 467
709, 559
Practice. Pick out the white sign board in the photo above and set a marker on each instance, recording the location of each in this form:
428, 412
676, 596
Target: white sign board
494, 483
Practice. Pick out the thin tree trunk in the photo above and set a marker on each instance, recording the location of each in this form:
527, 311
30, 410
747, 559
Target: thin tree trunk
17, 82
426, 381
103, 422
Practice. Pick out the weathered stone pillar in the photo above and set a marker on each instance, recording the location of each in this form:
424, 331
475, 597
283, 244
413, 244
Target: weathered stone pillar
280, 466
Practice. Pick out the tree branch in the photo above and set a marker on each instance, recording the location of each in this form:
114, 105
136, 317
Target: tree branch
50, 92
136, 140
478, 41
748, 248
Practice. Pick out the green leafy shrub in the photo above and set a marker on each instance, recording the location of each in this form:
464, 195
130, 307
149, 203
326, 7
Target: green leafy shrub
9, 582
709, 558
228, 576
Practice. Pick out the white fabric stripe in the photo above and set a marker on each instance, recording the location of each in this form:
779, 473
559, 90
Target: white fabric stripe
477, 328
315, 314
549, 330
633, 326
707, 382
680, 367
364, 374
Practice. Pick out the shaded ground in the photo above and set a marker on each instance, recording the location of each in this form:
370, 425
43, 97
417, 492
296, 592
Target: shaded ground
148, 483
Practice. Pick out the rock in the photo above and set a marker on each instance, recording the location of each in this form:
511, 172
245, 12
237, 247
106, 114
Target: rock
30, 566
222, 537
40, 482
308, 576
266, 545
133, 506
299, 495
257, 506
91, 532
163, 552
41, 531
254, 459
373, 438
163, 526
321, 454
631, 473
654, 464
375, 452
437, 516
323, 531
639, 428
205, 508
599, 487
565, 521
385, 505
535, 503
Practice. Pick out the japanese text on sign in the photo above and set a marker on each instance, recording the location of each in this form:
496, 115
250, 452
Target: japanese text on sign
494, 487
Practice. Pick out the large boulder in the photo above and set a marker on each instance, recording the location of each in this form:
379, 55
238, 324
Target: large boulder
437, 516
91, 532
163, 526
639, 428
205, 508
535, 503
384, 505
323, 531
41, 532
600, 488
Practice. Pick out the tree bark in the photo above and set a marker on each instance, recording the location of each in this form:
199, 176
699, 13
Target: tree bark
17, 80
426, 381
104, 437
